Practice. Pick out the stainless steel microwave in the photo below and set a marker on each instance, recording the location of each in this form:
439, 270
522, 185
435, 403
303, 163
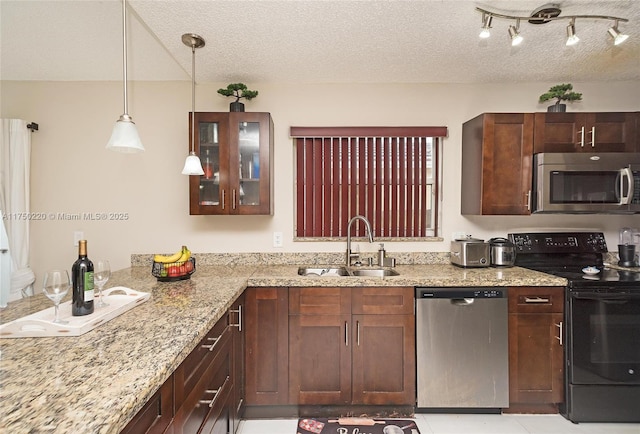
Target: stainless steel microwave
586, 182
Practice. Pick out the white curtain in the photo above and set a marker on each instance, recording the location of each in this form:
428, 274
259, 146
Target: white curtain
15, 157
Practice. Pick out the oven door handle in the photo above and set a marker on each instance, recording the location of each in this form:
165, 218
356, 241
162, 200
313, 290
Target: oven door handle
606, 298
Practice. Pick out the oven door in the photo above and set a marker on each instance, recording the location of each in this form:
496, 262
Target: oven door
587, 183
603, 337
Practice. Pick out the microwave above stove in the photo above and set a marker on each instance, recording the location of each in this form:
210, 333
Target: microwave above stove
606, 183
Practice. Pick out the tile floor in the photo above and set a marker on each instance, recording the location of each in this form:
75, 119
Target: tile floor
470, 424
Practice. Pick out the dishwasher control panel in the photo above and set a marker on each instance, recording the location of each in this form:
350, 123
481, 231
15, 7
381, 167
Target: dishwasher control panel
427, 293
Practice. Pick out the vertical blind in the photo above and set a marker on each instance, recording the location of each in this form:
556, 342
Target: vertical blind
387, 174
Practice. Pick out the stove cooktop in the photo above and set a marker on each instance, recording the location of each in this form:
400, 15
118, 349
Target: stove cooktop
607, 277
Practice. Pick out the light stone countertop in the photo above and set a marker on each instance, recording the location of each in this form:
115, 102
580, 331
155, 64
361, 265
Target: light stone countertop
95, 383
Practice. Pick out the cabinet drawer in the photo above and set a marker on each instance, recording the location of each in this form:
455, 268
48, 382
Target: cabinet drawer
536, 300
210, 389
319, 301
156, 414
193, 367
383, 300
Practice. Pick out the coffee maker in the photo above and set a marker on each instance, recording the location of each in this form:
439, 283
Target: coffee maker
629, 238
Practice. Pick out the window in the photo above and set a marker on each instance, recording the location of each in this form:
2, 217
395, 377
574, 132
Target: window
387, 174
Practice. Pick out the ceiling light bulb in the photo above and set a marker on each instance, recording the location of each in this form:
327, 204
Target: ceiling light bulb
618, 37
516, 39
572, 39
486, 25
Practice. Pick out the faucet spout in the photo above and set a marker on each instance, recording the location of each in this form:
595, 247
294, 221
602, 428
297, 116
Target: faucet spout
350, 255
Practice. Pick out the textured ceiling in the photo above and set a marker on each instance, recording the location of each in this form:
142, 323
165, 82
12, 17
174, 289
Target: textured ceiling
434, 41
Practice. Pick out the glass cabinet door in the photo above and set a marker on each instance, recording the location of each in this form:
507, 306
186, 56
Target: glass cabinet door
209, 187
249, 163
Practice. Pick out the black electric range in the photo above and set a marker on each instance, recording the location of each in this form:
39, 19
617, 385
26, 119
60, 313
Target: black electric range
601, 324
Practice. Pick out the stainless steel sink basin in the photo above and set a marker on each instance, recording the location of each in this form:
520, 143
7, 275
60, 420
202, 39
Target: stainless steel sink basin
323, 271
377, 272
343, 271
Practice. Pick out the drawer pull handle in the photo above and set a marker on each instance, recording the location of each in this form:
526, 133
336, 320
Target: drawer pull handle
239, 312
536, 300
216, 392
214, 340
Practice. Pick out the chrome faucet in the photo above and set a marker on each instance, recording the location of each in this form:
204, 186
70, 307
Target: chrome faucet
350, 255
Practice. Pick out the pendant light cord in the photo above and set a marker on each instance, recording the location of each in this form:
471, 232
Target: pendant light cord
193, 98
124, 54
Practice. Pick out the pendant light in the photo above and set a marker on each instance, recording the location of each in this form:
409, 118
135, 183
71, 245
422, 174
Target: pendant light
124, 137
193, 165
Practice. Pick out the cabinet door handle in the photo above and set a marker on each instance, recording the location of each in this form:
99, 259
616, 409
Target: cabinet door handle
559, 337
211, 402
233, 203
346, 334
528, 199
536, 300
593, 137
358, 333
239, 312
581, 142
224, 196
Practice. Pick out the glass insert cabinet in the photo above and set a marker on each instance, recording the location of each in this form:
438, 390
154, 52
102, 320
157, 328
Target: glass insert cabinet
236, 150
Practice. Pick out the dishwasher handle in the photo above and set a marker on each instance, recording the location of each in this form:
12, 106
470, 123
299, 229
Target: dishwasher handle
462, 301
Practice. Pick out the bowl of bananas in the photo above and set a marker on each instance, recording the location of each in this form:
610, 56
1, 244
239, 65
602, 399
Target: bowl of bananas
179, 266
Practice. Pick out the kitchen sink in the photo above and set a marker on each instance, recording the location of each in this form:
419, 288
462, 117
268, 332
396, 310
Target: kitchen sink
343, 271
323, 271
374, 272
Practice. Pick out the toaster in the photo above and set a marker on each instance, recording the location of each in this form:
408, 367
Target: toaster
470, 252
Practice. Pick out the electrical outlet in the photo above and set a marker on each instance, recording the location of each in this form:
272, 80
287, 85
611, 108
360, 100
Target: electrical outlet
77, 236
277, 239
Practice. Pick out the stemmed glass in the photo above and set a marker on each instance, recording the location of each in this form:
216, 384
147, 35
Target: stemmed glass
55, 287
101, 274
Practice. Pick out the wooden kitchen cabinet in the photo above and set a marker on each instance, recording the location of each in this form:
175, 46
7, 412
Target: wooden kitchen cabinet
497, 155
536, 355
236, 150
156, 415
266, 346
586, 132
352, 346
238, 329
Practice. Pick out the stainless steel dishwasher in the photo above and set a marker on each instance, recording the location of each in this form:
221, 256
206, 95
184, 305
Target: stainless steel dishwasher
462, 349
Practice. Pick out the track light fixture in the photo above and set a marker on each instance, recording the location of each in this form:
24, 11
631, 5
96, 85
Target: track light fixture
546, 14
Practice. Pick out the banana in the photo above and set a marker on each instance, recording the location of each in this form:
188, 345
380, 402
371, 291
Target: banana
168, 259
186, 254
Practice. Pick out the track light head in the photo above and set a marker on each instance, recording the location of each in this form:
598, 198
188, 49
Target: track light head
514, 34
618, 37
486, 25
572, 38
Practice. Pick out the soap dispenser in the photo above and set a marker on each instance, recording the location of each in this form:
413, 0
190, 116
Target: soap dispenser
381, 255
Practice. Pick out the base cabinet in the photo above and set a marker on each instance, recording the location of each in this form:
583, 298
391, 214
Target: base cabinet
536, 356
156, 415
352, 346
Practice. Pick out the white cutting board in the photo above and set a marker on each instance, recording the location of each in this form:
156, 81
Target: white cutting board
40, 324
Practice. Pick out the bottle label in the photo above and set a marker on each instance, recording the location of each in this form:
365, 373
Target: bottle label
88, 286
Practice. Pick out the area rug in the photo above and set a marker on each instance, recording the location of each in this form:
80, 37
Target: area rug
356, 425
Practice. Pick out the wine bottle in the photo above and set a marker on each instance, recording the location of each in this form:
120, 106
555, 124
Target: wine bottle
82, 281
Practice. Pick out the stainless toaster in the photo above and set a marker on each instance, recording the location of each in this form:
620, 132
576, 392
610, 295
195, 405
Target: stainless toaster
470, 252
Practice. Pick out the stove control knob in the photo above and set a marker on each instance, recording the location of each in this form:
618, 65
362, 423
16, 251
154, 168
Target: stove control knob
631, 371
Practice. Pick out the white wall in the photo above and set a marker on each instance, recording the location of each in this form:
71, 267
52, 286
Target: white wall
73, 173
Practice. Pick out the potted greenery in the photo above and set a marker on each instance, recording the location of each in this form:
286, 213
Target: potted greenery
238, 91
561, 92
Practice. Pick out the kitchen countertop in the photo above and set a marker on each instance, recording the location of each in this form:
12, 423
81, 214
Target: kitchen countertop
95, 383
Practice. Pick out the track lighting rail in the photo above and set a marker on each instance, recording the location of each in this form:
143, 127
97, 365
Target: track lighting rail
544, 19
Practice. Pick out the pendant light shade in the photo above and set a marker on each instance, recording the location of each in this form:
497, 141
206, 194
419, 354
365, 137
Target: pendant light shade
124, 137
193, 165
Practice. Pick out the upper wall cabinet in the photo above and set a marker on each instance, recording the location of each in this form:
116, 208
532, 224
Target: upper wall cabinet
236, 150
586, 132
497, 153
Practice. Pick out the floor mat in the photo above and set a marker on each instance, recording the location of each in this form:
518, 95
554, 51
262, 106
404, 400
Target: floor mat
356, 425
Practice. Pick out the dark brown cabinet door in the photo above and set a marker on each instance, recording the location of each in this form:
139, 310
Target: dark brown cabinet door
586, 132
236, 151
497, 153
266, 346
238, 327
320, 359
536, 359
383, 371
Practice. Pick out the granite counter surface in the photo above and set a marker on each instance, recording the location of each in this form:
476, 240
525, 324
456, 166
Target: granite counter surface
95, 383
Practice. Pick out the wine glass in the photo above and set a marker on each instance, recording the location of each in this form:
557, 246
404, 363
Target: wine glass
55, 287
101, 274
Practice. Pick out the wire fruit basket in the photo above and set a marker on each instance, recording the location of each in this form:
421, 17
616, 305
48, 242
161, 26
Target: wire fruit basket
173, 271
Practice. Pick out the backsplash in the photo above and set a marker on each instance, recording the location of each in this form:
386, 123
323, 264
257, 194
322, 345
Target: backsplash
325, 258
